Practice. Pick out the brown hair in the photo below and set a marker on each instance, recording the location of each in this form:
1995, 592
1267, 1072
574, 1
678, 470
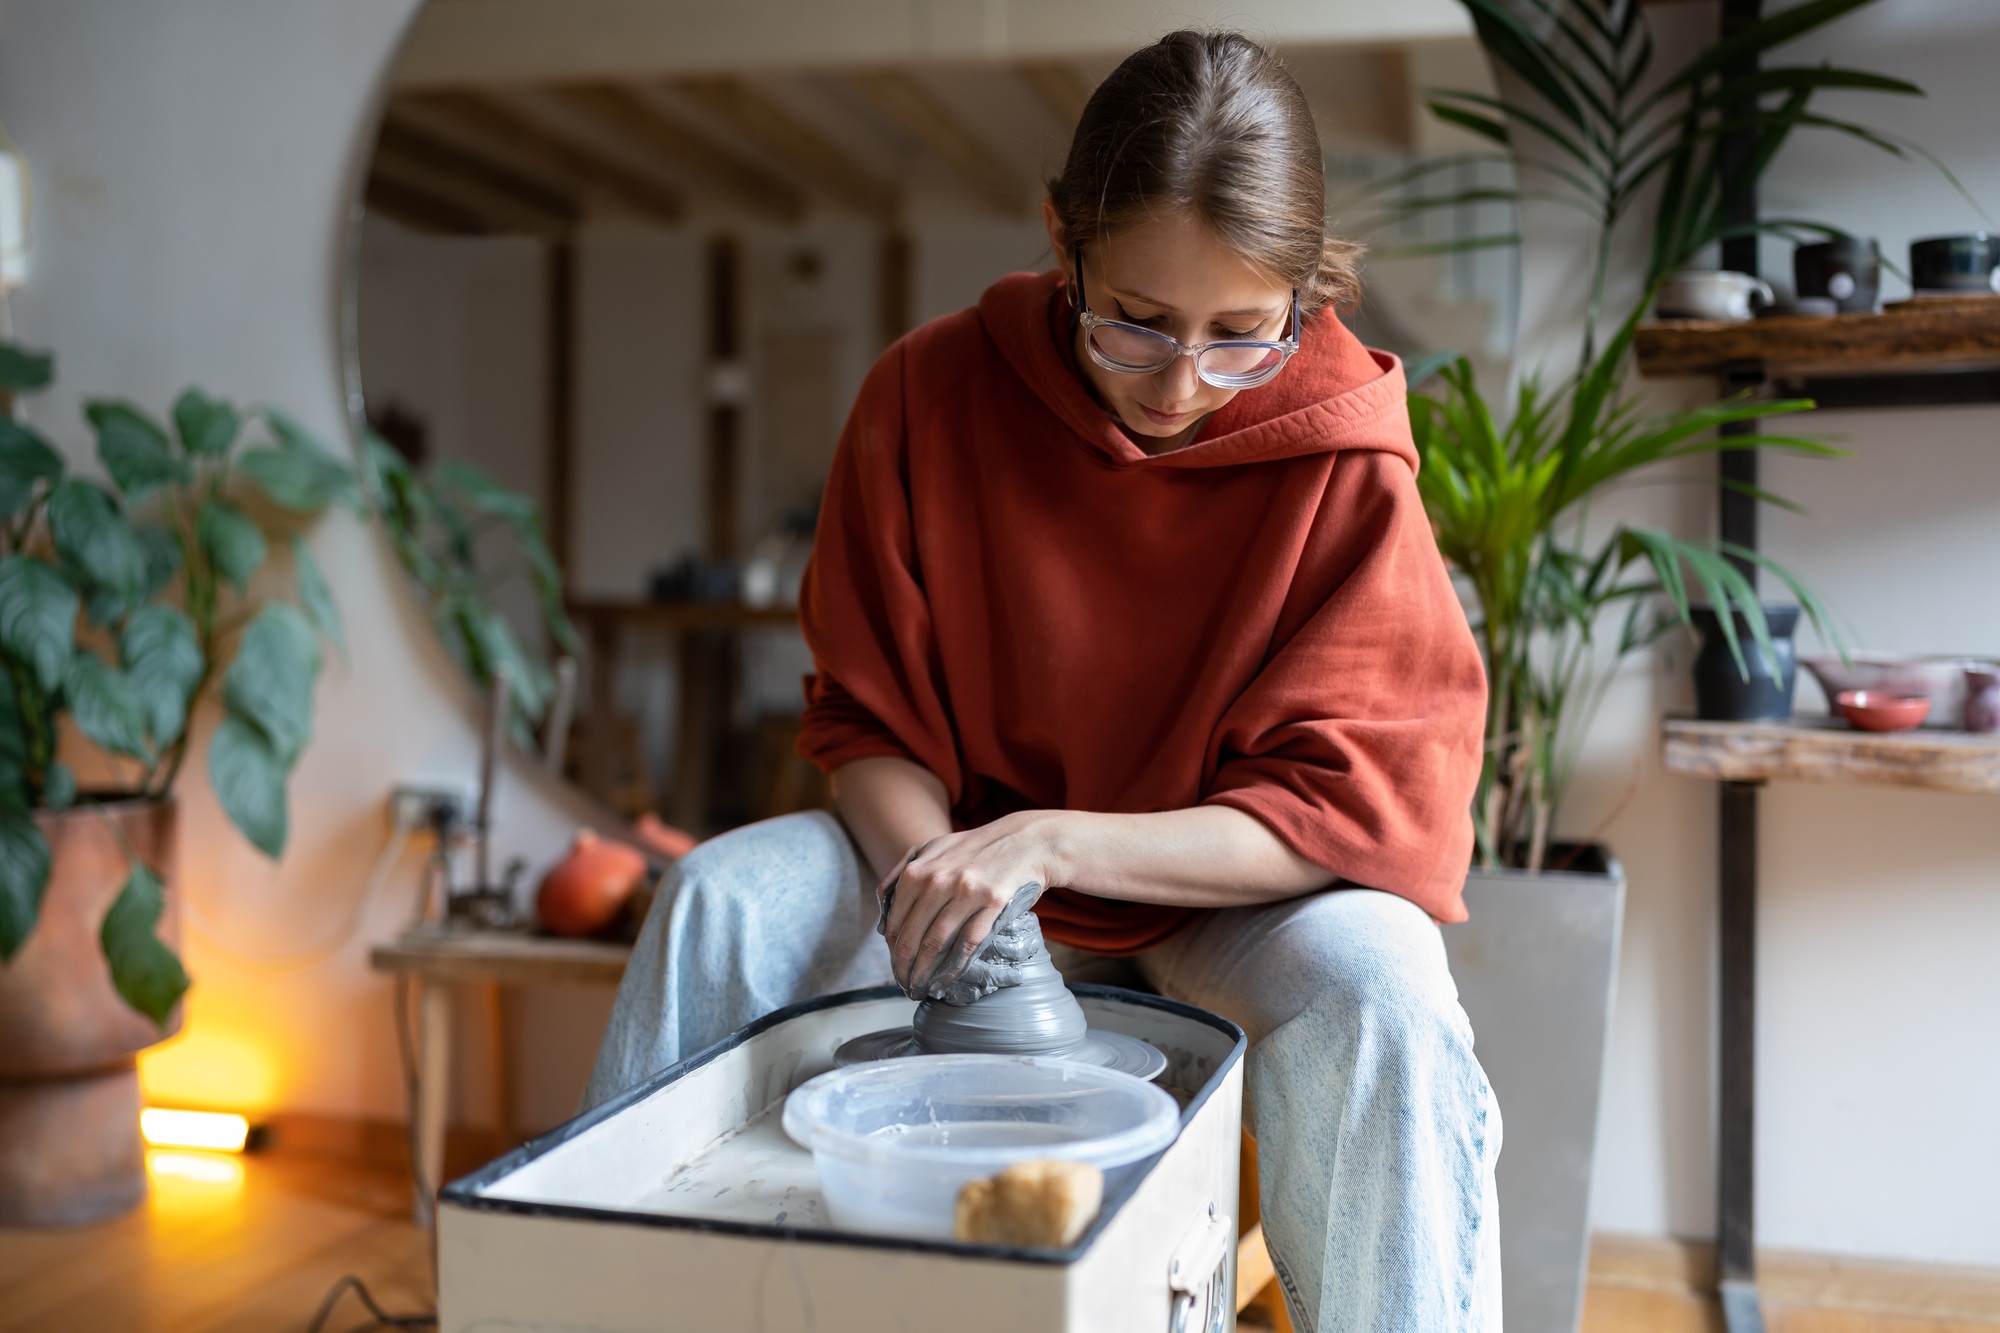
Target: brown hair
1213, 125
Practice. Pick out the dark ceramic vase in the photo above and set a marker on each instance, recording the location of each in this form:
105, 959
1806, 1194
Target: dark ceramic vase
1722, 692
1846, 269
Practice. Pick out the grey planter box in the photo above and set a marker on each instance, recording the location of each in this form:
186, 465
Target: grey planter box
1536, 968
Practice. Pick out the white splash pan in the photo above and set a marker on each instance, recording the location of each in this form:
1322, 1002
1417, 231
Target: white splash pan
682, 1206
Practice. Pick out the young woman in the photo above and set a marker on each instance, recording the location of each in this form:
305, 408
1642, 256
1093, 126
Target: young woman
1122, 587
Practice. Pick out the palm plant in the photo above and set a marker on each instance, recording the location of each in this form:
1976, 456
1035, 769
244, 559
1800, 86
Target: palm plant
1510, 506
1596, 130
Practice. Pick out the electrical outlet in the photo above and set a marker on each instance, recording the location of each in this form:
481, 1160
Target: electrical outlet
416, 807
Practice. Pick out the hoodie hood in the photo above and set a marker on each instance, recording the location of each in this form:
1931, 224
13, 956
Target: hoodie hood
1334, 394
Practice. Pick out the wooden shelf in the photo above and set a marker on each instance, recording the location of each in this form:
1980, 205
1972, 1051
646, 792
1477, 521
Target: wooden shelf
438, 954
1824, 750
1905, 338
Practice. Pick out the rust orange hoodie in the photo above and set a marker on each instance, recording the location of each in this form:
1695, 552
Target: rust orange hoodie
1008, 591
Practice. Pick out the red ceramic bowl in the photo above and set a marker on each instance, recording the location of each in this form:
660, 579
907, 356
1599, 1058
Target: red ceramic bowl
1872, 710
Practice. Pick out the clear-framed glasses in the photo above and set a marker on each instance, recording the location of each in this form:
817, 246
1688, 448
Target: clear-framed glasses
1132, 349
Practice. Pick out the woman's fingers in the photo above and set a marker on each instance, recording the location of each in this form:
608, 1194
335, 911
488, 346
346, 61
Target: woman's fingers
899, 906
918, 902
957, 955
939, 945
948, 915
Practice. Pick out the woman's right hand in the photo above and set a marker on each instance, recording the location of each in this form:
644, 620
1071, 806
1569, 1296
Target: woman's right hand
951, 892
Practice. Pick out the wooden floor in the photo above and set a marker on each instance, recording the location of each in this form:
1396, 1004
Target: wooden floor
257, 1252
254, 1253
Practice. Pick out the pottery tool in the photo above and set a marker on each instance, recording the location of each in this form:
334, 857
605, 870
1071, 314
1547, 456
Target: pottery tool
1008, 999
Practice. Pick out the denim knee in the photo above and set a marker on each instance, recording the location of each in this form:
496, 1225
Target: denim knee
723, 878
1390, 992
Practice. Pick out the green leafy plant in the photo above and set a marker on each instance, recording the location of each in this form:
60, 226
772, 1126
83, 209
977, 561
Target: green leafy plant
1510, 500
124, 606
440, 526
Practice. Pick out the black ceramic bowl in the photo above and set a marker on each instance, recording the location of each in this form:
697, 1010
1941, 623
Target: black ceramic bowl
1969, 263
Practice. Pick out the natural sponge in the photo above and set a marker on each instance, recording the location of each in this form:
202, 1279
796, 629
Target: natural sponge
1038, 1202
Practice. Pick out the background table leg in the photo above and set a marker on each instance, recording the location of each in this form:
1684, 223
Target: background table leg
496, 1062
434, 1023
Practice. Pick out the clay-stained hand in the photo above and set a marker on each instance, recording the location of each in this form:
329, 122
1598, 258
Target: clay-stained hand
950, 893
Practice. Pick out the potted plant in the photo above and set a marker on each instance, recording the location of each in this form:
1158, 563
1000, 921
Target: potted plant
123, 607
1590, 124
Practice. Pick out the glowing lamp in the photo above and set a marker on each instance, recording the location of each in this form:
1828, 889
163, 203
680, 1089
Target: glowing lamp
194, 1168
214, 1131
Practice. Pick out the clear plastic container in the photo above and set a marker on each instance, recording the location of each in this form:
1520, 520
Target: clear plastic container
896, 1140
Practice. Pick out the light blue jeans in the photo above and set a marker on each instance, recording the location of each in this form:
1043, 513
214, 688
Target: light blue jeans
1376, 1131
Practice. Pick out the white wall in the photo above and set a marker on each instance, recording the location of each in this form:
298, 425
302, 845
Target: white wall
195, 163
1876, 1053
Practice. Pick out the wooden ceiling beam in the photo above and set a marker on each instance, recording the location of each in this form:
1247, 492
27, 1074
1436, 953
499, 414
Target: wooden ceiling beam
499, 212
502, 190
577, 161
766, 123
623, 110
420, 210
1058, 87
898, 95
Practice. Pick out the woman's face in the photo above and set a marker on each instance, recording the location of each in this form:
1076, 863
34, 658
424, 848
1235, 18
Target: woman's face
1170, 274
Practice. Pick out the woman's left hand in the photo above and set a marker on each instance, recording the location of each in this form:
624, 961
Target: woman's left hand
951, 889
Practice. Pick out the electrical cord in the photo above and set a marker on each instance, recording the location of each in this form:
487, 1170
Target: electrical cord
382, 1318
407, 1057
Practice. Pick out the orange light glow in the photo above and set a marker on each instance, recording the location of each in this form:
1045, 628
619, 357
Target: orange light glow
194, 1168
208, 1066
215, 1131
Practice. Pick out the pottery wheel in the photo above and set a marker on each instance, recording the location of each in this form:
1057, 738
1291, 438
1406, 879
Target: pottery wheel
1022, 1008
1109, 1049
1112, 1050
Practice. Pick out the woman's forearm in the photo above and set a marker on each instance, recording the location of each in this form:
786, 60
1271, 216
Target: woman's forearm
889, 806
1207, 856
955, 888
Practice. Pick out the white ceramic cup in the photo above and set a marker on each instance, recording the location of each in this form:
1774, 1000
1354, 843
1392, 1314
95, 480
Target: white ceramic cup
1720, 294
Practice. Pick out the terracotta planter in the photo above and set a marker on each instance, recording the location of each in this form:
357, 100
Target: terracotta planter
69, 1089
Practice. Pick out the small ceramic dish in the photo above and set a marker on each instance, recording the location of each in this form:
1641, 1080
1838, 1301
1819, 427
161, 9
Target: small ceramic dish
1940, 677
1872, 710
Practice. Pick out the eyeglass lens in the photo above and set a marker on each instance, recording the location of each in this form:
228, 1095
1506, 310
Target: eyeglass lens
1142, 351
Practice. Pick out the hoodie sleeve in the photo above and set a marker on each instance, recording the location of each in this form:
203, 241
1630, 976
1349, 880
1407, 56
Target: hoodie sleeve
1359, 742
877, 687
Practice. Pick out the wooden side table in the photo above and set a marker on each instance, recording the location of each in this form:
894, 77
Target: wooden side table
443, 960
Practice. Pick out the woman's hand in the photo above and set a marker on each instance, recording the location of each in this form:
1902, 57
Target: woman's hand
950, 890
